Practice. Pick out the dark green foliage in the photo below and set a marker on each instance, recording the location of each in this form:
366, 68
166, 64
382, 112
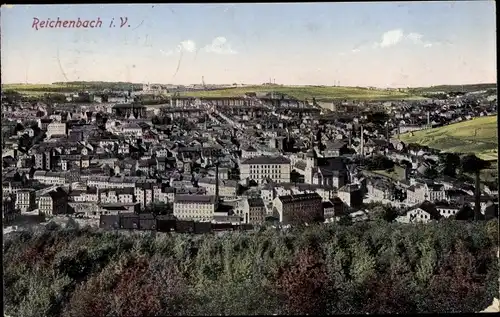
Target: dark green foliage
366, 267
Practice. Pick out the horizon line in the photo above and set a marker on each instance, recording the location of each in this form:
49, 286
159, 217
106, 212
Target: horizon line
252, 84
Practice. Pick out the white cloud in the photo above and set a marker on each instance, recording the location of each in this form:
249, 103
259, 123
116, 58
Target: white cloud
391, 38
220, 46
186, 46
356, 50
415, 37
394, 37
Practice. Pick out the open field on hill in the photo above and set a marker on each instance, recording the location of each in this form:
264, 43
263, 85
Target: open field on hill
37, 89
477, 136
450, 88
308, 92
299, 92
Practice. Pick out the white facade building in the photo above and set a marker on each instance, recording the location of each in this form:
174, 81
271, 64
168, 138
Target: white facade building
262, 168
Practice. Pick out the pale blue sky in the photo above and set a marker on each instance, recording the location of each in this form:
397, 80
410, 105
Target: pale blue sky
359, 44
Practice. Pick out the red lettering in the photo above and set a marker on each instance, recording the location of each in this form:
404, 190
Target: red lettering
78, 23
35, 24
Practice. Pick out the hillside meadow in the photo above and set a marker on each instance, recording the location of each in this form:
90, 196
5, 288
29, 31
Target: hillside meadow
478, 136
307, 92
370, 267
40, 89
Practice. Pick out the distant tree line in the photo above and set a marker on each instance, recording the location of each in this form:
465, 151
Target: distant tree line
100, 85
360, 268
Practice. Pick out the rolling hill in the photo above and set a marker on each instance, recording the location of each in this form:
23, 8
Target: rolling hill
477, 136
299, 92
451, 88
37, 89
308, 92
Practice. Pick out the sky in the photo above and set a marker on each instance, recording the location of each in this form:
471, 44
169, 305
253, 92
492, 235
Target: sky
392, 44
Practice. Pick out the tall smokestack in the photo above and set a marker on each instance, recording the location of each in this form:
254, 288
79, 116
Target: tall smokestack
217, 182
428, 119
362, 142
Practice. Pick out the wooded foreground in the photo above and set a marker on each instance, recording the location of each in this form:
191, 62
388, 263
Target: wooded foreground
373, 267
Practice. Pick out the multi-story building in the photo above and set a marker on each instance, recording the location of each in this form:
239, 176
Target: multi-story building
351, 195
56, 128
54, 203
379, 189
44, 160
195, 207
419, 193
256, 212
118, 195
25, 200
288, 207
227, 188
263, 168
148, 192
50, 178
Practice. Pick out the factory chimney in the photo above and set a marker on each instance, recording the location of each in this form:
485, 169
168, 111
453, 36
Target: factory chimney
217, 181
362, 146
428, 119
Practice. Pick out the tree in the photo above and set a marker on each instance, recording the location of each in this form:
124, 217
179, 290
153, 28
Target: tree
378, 118
448, 164
303, 283
472, 164
399, 194
379, 162
386, 213
54, 98
301, 217
431, 172
454, 288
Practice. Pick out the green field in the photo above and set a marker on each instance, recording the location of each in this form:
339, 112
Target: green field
450, 88
477, 136
298, 92
40, 89
307, 92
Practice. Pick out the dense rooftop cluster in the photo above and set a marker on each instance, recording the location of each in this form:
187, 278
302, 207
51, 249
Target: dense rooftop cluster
245, 160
